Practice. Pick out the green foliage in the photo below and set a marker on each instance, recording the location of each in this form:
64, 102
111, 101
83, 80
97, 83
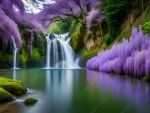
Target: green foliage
23, 55
30, 101
88, 55
61, 27
147, 18
115, 12
12, 86
40, 49
35, 52
107, 39
6, 59
146, 27
5, 96
125, 34
34, 60
77, 38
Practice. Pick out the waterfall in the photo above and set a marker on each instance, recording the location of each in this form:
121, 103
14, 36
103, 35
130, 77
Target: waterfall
15, 51
59, 53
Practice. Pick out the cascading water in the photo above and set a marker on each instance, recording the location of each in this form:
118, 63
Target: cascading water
15, 51
59, 53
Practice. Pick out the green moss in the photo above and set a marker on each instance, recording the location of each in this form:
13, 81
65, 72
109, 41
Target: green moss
125, 34
12, 86
30, 101
77, 38
5, 96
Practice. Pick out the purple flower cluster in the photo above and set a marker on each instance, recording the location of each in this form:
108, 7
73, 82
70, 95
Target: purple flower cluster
12, 15
130, 57
94, 17
75, 9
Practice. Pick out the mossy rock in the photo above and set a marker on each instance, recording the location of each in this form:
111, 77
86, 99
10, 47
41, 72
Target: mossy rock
30, 101
15, 87
5, 96
146, 78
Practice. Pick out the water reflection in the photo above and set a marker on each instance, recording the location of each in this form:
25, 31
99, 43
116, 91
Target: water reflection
121, 87
59, 86
81, 91
14, 74
48, 80
59, 83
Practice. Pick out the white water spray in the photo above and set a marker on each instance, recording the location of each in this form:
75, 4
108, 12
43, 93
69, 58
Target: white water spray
59, 53
15, 51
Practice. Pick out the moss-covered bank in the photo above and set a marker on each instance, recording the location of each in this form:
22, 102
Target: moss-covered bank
5, 96
8, 87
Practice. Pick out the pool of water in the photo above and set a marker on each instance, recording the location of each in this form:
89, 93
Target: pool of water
79, 91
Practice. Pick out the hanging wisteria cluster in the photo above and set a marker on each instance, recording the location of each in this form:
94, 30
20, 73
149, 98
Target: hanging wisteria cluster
83, 11
13, 15
130, 57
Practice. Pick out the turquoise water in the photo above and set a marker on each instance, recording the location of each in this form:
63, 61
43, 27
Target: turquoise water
80, 91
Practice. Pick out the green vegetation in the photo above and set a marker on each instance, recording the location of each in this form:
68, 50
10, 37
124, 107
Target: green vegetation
63, 27
30, 101
115, 11
146, 27
8, 87
15, 87
77, 37
147, 18
88, 55
34, 60
5, 96
5, 59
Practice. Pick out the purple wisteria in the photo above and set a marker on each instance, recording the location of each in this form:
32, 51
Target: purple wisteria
71, 9
130, 57
13, 15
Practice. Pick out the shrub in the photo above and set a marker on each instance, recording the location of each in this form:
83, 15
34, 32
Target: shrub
129, 57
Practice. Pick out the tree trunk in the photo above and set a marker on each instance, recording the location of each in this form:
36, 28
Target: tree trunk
142, 5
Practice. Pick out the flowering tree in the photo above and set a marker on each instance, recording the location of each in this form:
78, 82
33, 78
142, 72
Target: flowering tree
8, 26
70, 9
14, 15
